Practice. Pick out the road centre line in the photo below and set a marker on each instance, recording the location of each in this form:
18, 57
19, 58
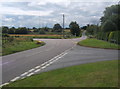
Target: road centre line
42, 66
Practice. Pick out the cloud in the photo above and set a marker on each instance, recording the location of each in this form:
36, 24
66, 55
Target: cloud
49, 12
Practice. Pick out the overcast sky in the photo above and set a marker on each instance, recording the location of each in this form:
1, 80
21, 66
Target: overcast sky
40, 13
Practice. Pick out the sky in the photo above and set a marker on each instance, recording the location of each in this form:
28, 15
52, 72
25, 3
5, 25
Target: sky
41, 13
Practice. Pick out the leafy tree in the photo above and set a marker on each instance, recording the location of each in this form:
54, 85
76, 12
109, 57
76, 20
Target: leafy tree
84, 27
92, 29
74, 28
35, 29
5, 29
11, 30
112, 13
109, 26
57, 28
46, 29
42, 31
21, 30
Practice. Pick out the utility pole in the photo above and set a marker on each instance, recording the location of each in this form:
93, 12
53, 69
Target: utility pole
63, 25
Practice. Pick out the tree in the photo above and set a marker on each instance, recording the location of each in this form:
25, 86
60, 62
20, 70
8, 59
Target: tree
57, 28
109, 26
112, 13
11, 30
46, 29
42, 31
21, 30
84, 27
92, 29
74, 28
5, 29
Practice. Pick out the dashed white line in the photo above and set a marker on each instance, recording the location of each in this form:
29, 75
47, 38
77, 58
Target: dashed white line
24, 73
37, 67
42, 66
31, 70
37, 70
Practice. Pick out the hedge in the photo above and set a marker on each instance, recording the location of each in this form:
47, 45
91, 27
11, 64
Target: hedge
113, 36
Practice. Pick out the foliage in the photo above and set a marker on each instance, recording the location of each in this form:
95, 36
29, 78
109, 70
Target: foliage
57, 28
42, 31
92, 29
112, 13
5, 29
74, 28
16, 44
109, 26
109, 36
11, 30
21, 30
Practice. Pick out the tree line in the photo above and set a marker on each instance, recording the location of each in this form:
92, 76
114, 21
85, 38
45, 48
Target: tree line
57, 28
109, 29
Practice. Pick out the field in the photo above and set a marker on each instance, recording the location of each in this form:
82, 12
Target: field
38, 36
99, 74
98, 44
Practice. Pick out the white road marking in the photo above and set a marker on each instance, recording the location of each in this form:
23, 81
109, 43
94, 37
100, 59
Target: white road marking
37, 67
30, 74
24, 73
16, 78
4, 84
31, 70
37, 70
42, 66
22, 77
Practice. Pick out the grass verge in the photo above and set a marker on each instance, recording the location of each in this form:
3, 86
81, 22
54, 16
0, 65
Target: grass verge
20, 46
99, 74
98, 44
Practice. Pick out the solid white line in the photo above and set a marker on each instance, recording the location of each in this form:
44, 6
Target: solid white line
16, 78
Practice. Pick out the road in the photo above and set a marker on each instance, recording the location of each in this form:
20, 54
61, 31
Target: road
18, 63
57, 53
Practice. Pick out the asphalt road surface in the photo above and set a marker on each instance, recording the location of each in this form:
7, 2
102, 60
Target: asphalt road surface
57, 53
18, 63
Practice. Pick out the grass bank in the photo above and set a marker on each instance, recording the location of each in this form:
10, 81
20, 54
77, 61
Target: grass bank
99, 74
18, 44
98, 44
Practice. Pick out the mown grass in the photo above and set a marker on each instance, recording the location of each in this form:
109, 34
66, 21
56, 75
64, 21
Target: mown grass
18, 44
98, 44
99, 74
